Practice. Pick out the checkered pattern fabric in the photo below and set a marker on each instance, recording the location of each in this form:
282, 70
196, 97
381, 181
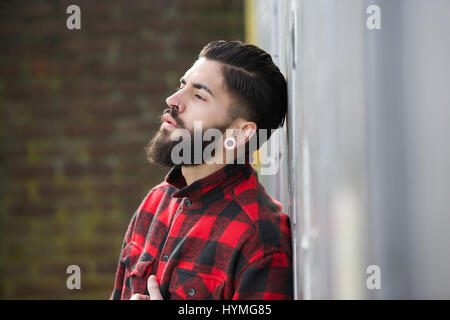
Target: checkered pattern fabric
221, 237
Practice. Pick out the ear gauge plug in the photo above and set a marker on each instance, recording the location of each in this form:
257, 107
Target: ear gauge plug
230, 142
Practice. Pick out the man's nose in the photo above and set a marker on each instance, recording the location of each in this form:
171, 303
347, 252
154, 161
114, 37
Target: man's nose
174, 101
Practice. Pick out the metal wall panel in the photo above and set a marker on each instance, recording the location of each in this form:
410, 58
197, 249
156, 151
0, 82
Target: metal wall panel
364, 159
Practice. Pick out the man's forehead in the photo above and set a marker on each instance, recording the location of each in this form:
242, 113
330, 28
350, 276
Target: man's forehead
204, 70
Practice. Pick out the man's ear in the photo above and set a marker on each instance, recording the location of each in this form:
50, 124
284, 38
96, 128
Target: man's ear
248, 129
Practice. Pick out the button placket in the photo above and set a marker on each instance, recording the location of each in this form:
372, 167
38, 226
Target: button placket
165, 257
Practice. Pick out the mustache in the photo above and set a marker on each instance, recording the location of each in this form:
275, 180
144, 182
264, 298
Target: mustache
175, 116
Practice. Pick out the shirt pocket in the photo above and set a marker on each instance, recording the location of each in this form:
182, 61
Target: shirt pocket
137, 262
191, 285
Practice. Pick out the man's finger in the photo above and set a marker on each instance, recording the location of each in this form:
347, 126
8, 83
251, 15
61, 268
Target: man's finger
153, 288
138, 296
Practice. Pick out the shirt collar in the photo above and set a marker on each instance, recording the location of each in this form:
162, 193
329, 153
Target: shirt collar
222, 180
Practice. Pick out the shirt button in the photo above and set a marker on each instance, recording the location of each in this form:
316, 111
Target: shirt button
165, 258
191, 292
187, 202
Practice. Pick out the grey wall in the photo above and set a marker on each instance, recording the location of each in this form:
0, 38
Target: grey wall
364, 160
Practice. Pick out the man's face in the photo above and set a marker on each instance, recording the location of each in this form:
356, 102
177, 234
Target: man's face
202, 96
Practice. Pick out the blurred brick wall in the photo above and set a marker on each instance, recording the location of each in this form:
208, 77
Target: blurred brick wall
76, 110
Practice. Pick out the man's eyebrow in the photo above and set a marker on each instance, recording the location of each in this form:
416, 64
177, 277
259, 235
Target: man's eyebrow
198, 86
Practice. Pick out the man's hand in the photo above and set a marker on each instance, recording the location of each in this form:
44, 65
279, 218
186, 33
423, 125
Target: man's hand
153, 291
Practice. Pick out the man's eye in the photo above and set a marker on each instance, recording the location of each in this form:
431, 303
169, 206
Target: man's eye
200, 97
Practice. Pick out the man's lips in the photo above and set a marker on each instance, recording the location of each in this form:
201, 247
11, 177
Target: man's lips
168, 119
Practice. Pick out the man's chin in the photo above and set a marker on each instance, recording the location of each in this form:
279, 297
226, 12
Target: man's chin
168, 133
160, 161
158, 150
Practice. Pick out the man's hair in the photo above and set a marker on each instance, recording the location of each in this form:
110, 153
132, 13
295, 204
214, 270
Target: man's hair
258, 88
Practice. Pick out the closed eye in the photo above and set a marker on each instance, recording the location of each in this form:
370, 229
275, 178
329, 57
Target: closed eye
200, 97
196, 95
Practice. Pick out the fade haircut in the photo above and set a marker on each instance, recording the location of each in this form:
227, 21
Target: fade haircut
257, 87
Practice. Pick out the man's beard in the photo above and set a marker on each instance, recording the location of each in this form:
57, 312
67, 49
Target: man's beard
159, 149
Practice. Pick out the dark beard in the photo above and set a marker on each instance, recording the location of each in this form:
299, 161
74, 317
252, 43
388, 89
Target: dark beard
159, 149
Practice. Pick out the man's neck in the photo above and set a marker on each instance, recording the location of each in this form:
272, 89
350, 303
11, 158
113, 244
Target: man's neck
194, 173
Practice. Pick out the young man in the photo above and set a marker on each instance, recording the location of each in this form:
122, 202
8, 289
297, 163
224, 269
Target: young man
210, 231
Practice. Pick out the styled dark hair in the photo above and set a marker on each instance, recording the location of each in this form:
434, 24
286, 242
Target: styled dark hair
258, 86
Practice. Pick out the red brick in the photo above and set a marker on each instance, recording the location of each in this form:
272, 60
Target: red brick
88, 7
26, 90
17, 151
108, 266
113, 109
142, 88
111, 26
87, 129
37, 8
31, 288
210, 4
87, 88
107, 149
53, 191
75, 47
79, 204
46, 29
33, 130
92, 247
38, 210
59, 268
9, 28
31, 171
111, 228
120, 68
81, 110
109, 188
13, 269
76, 170
145, 6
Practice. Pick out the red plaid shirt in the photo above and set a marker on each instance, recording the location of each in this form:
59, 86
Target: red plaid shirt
222, 237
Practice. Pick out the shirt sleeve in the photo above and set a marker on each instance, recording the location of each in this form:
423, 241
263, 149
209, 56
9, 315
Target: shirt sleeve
119, 283
120, 273
266, 278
